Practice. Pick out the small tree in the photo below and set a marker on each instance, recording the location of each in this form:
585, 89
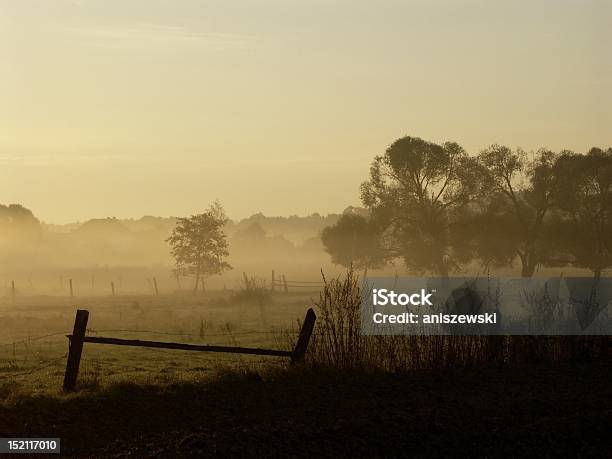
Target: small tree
199, 244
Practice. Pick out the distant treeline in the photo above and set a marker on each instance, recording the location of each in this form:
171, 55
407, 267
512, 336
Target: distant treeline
26, 243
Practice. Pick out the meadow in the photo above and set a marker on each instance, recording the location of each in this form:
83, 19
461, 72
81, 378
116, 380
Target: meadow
33, 344
363, 396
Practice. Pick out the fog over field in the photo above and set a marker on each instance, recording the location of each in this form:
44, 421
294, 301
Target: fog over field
203, 201
39, 255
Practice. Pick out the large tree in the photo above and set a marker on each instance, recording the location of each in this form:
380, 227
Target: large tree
354, 240
418, 191
512, 218
17, 221
199, 244
584, 195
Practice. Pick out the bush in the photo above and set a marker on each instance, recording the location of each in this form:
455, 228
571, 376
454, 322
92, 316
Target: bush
252, 291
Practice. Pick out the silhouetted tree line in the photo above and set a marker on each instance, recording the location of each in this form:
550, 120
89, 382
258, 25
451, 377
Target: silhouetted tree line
438, 209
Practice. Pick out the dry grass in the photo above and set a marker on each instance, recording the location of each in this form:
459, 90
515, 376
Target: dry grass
35, 366
338, 343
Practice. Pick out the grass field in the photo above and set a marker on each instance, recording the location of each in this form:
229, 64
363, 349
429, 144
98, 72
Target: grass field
33, 343
356, 396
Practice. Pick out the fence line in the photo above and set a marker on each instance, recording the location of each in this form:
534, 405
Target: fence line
306, 282
283, 283
34, 338
46, 364
191, 335
78, 338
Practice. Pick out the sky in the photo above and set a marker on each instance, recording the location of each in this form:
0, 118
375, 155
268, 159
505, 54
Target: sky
158, 107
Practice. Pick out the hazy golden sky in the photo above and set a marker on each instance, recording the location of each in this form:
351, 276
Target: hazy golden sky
131, 107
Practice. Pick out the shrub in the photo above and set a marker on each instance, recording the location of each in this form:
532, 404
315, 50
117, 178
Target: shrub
252, 291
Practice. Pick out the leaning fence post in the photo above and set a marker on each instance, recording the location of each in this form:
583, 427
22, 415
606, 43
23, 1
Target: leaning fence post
302, 344
75, 347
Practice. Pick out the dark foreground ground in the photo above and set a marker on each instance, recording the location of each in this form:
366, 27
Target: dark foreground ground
538, 411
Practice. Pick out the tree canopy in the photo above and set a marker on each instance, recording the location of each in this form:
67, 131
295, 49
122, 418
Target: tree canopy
439, 209
584, 196
355, 241
417, 191
199, 244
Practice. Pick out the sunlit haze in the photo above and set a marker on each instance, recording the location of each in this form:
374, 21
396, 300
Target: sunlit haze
134, 107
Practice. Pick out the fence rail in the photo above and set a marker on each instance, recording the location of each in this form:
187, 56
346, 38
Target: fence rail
184, 347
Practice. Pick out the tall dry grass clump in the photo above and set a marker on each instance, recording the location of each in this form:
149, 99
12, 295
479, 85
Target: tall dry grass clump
337, 341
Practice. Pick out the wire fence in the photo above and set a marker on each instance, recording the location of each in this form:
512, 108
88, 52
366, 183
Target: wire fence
42, 364
117, 286
29, 339
191, 335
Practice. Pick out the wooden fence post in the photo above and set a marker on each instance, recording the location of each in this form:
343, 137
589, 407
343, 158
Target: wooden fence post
71, 291
75, 348
302, 344
247, 284
285, 284
13, 289
113, 288
155, 285
272, 282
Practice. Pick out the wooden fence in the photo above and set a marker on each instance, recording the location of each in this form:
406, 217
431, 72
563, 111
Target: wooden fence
78, 338
283, 284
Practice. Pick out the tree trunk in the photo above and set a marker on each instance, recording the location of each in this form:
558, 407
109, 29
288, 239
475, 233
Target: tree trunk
443, 270
528, 270
528, 264
443, 266
596, 278
597, 273
197, 282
